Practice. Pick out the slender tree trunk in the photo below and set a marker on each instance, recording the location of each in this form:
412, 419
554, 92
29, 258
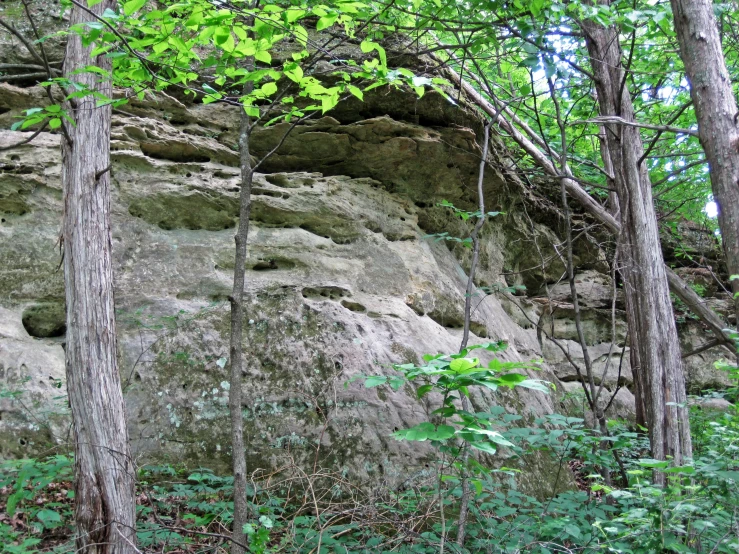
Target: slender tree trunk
104, 475
717, 113
660, 373
629, 299
241, 512
465, 500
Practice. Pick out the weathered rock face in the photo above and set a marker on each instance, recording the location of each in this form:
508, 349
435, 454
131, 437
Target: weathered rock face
341, 280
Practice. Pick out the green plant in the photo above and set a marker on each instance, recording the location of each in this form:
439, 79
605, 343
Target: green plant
695, 512
700, 290
451, 376
38, 494
464, 216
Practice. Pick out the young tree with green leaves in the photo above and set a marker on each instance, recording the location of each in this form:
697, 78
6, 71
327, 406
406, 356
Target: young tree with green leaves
228, 53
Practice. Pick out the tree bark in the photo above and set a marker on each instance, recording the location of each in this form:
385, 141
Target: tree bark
235, 401
717, 114
677, 285
660, 374
104, 475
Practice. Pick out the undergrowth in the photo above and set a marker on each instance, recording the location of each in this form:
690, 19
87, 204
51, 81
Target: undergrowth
190, 511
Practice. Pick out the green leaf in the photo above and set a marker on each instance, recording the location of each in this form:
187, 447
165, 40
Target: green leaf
325, 22
195, 19
263, 56
534, 384
426, 431
463, 364
375, 381
269, 88
356, 92
446, 411
368, 46
48, 518
443, 432
301, 35
55, 123
133, 6
418, 433
424, 390
733, 475
493, 436
510, 379
484, 446
294, 73
687, 470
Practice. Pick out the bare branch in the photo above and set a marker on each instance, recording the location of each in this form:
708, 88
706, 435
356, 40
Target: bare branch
24, 40
23, 76
615, 120
702, 348
25, 141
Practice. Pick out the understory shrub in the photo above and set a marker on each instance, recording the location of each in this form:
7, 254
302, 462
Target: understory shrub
190, 511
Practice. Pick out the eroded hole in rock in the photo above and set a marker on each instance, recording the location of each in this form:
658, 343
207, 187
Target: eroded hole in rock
282, 180
325, 293
446, 319
353, 306
15, 158
45, 320
172, 153
192, 211
479, 329
278, 179
273, 263
223, 174
270, 193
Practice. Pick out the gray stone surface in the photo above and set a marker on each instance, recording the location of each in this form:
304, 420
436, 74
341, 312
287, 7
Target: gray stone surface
342, 281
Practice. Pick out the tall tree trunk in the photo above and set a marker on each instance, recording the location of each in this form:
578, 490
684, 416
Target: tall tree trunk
237, 325
677, 285
717, 113
660, 374
104, 475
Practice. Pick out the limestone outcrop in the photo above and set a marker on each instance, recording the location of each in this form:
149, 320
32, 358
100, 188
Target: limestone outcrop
347, 274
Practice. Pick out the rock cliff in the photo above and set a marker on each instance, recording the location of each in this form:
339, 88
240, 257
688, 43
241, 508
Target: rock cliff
343, 280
